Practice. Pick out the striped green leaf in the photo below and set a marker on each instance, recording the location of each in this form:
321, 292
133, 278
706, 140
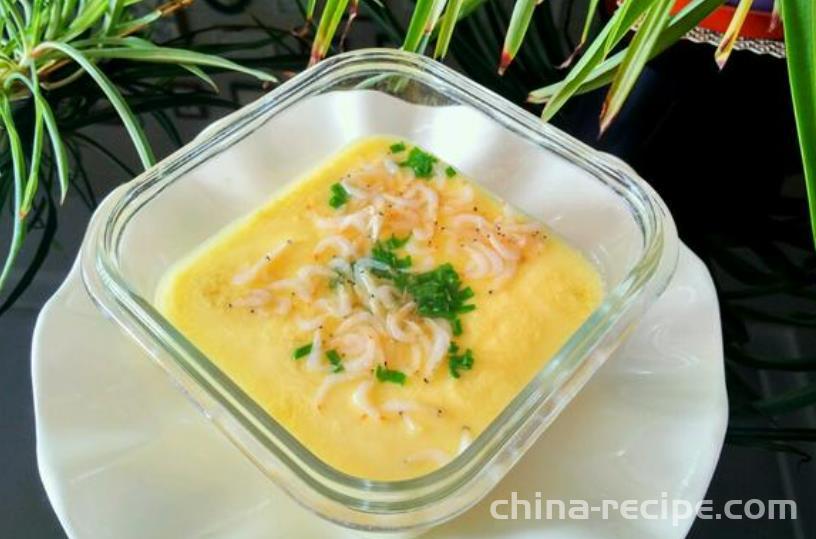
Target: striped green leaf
311, 5
590, 16
799, 20
638, 53
89, 16
446, 27
135, 130
18, 172
593, 56
426, 14
603, 74
329, 21
519, 22
57, 146
729, 38
34, 167
114, 13
166, 55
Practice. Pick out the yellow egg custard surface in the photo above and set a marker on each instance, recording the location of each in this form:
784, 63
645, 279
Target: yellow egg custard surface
384, 309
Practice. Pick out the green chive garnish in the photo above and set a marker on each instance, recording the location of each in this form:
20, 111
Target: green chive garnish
335, 360
387, 375
383, 251
395, 242
457, 362
397, 147
302, 351
439, 294
339, 196
421, 162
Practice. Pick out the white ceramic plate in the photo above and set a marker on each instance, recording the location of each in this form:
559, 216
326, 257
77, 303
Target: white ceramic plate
123, 454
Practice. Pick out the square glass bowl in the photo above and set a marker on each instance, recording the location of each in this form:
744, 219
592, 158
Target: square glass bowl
593, 201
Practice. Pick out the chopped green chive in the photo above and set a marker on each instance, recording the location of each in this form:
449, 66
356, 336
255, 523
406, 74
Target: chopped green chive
387, 375
397, 147
335, 360
395, 242
339, 196
450, 172
439, 294
302, 351
383, 251
421, 162
457, 361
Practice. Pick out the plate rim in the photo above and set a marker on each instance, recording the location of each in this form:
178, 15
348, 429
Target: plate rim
72, 281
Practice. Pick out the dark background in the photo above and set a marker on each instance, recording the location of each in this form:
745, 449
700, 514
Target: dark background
720, 147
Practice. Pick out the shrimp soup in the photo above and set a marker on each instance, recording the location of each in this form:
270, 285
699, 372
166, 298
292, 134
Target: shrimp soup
384, 309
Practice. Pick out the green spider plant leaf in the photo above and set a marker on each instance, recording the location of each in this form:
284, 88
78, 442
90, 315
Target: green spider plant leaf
36, 21
40, 253
18, 171
469, 7
729, 38
198, 72
54, 20
67, 11
139, 43
42, 106
134, 25
329, 21
423, 21
114, 13
91, 13
135, 130
799, 21
34, 169
57, 148
419, 19
166, 55
636, 57
446, 26
310, 10
590, 16
622, 24
15, 27
593, 56
519, 22
604, 72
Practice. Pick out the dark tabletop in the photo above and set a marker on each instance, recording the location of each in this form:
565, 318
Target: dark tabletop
721, 150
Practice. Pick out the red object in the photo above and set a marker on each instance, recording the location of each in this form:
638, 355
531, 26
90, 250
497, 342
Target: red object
757, 24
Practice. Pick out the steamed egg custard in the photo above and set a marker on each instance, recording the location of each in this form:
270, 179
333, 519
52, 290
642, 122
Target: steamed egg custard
384, 310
